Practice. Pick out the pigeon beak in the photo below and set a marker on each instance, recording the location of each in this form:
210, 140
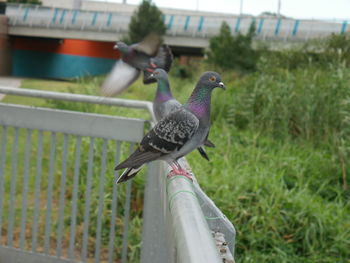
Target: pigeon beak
221, 85
115, 46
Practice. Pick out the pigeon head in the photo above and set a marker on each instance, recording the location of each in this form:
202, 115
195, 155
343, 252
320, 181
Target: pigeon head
159, 74
199, 102
122, 47
211, 80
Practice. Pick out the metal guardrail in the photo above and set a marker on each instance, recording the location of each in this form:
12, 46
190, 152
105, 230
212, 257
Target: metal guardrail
193, 26
136, 104
50, 159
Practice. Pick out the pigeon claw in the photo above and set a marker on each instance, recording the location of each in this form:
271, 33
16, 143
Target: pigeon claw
153, 65
180, 172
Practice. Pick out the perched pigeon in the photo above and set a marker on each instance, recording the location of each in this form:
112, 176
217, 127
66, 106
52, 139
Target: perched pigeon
176, 134
144, 56
164, 103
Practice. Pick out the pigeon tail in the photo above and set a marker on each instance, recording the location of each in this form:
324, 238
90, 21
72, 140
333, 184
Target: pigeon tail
164, 58
128, 174
209, 143
203, 153
137, 159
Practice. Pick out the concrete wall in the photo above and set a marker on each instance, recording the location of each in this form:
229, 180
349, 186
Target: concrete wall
59, 3
5, 51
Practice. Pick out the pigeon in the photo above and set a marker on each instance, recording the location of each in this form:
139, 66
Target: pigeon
144, 56
176, 134
164, 103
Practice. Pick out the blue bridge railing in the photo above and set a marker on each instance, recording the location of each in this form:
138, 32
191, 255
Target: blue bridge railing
196, 26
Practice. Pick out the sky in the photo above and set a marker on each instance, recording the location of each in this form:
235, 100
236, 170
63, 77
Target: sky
321, 9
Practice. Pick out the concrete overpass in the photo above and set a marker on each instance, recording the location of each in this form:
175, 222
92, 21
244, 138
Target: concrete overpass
185, 29
57, 42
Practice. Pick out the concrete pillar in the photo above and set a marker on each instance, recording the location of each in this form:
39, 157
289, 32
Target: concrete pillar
5, 50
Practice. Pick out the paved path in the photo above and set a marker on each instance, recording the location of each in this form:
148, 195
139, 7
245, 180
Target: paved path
9, 82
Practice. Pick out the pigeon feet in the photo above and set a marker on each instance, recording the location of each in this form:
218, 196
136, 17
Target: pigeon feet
153, 65
179, 171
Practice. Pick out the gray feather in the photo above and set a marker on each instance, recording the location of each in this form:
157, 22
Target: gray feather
138, 158
149, 45
121, 77
128, 174
165, 108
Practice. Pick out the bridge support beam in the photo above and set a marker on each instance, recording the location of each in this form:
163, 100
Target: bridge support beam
5, 50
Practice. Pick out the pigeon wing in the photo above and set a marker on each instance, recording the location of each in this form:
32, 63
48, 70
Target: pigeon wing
149, 45
121, 77
164, 58
169, 135
171, 132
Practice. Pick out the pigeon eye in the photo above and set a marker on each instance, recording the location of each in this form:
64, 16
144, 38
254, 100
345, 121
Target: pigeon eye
156, 73
212, 78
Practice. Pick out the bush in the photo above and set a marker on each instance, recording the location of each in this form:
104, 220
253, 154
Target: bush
233, 52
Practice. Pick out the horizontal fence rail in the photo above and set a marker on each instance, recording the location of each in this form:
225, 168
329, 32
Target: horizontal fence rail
137, 104
180, 25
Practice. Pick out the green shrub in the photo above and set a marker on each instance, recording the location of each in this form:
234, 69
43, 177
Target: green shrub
233, 52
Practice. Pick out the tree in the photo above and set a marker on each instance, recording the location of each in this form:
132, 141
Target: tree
146, 19
233, 52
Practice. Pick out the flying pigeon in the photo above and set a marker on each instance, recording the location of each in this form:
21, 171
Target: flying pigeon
164, 103
176, 134
144, 56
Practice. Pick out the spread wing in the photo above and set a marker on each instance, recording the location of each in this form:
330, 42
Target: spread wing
149, 45
121, 77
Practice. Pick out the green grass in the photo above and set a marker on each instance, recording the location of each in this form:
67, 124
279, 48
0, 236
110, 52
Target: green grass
280, 166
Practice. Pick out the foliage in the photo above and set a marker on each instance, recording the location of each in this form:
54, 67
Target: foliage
337, 48
233, 52
146, 19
